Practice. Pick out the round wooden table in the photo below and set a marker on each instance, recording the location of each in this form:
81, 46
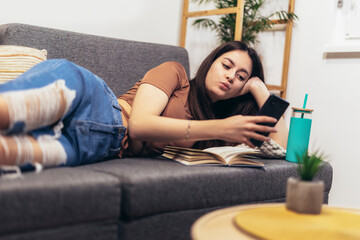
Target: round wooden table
220, 224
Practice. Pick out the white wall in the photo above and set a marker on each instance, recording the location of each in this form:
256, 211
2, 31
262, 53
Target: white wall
155, 21
332, 83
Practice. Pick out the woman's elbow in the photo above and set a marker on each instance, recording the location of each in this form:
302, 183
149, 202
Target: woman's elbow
135, 130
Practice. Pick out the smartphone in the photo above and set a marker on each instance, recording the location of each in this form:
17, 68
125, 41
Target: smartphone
273, 107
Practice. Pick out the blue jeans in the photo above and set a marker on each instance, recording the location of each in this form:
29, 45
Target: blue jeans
93, 127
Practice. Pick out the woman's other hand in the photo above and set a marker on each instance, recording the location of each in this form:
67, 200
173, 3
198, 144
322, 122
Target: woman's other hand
253, 86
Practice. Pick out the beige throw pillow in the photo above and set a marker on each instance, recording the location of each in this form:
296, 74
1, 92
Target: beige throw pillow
15, 60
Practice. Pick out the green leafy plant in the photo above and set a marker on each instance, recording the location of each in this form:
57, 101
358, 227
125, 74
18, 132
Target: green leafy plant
309, 165
253, 22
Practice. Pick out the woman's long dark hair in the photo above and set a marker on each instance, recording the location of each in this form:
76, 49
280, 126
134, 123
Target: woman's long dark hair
200, 104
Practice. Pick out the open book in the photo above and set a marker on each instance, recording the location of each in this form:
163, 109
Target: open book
240, 155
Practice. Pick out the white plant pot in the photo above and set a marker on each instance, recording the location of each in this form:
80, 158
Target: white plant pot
304, 196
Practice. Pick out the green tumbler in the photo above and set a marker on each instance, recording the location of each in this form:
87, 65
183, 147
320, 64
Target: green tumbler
299, 134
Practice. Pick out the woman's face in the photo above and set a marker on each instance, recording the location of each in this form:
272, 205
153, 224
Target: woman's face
228, 75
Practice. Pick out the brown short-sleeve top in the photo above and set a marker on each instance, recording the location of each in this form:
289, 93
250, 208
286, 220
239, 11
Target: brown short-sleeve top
171, 78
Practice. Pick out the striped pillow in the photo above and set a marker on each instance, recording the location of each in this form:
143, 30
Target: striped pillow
15, 60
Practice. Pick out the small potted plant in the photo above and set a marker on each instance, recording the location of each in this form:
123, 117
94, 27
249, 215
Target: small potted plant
304, 194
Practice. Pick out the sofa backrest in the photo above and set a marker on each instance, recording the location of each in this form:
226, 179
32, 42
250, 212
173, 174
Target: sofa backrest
119, 62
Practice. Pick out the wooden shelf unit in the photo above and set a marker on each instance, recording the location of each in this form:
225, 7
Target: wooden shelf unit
239, 11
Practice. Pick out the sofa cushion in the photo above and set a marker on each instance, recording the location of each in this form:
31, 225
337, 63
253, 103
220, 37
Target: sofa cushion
15, 60
119, 62
153, 186
57, 197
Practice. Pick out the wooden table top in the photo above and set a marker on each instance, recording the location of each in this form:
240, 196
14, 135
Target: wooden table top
220, 224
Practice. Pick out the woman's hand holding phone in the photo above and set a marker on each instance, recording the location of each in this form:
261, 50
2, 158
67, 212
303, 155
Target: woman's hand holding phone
241, 129
274, 107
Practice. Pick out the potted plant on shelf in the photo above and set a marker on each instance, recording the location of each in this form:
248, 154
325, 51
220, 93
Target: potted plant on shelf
304, 194
253, 22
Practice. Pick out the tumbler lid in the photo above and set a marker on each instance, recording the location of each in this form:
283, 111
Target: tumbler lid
302, 110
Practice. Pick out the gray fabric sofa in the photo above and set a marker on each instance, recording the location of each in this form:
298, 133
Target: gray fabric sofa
131, 198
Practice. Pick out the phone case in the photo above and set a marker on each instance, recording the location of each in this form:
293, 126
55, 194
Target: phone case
273, 107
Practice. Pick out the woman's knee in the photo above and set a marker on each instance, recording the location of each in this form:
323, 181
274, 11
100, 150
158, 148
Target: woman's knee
35, 108
52, 150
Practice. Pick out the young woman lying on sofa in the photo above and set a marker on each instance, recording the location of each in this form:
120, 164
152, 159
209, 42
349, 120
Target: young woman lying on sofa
58, 113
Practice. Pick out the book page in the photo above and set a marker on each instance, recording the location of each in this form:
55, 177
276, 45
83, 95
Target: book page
235, 156
228, 152
192, 155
